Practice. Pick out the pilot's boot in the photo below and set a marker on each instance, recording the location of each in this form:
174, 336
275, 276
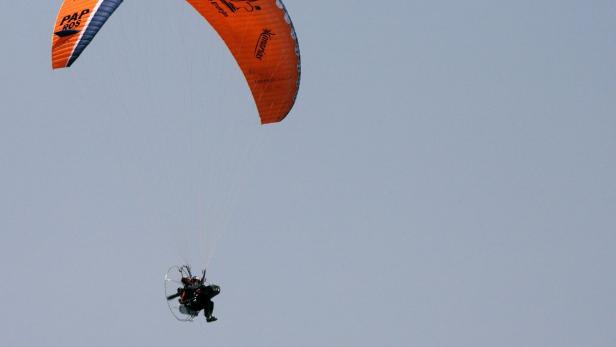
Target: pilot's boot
211, 319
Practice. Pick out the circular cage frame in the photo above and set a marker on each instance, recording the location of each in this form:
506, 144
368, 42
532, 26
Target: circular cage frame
173, 281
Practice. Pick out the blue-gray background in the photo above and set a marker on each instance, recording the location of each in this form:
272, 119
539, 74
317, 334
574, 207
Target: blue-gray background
447, 178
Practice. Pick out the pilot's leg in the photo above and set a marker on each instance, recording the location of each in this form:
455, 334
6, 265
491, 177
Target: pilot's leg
208, 310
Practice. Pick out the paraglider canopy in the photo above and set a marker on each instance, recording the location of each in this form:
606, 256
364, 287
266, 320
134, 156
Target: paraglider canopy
262, 38
77, 24
259, 34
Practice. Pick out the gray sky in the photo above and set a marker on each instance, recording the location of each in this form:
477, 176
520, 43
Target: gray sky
447, 178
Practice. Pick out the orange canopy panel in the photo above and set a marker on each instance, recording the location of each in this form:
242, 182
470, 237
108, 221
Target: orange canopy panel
77, 24
259, 34
262, 39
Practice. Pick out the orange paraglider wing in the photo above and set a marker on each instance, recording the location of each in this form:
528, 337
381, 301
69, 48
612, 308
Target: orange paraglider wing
261, 37
77, 24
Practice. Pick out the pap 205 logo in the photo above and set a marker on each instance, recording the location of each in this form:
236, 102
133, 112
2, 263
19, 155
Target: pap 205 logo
72, 21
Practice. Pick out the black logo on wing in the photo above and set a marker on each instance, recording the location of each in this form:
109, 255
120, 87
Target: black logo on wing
66, 33
236, 5
262, 42
71, 22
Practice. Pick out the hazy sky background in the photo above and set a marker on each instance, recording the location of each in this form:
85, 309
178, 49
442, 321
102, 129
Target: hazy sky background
447, 178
